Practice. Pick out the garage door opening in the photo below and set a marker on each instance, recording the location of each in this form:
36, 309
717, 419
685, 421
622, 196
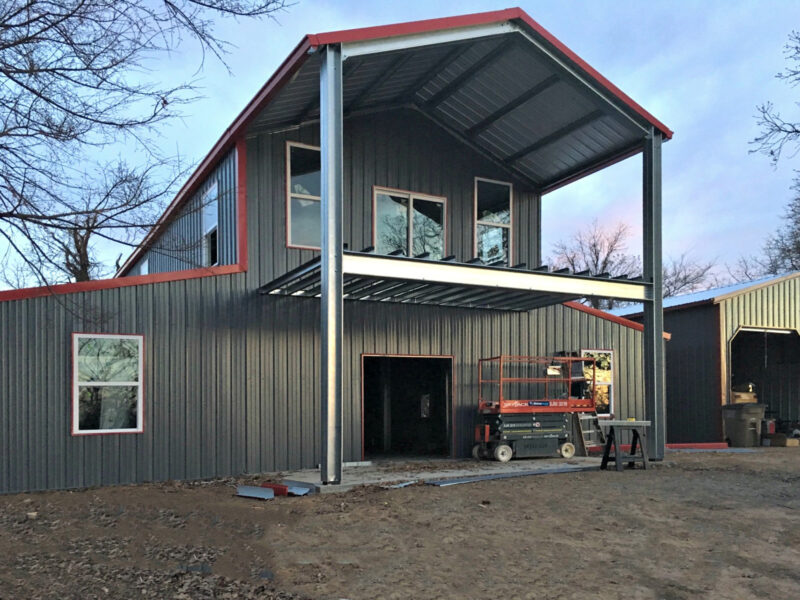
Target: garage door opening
769, 360
407, 406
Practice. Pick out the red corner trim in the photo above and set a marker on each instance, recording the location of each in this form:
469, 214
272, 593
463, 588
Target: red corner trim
241, 201
119, 282
609, 317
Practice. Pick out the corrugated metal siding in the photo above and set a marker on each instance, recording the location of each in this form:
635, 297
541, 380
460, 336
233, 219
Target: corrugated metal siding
692, 376
179, 247
232, 378
775, 306
398, 149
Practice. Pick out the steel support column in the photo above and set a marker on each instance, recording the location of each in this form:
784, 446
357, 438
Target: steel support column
331, 119
654, 389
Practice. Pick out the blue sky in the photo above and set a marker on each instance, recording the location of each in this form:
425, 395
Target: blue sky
700, 67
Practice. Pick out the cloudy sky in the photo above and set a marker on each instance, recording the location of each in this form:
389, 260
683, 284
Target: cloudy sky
701, 67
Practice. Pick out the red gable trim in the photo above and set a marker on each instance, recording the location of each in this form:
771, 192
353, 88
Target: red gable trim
498, 16
609, 317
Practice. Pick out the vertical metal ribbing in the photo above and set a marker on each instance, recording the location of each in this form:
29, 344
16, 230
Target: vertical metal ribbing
331, 117
654, 388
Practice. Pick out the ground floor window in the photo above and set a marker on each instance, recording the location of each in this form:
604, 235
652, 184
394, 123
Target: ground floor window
604, 379
107, 394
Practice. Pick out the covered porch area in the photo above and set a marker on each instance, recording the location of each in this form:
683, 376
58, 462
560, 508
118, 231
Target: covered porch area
503, 86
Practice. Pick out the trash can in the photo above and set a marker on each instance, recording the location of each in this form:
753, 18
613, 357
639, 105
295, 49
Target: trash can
742, 424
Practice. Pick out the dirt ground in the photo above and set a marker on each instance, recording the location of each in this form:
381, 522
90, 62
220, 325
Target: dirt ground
696, 526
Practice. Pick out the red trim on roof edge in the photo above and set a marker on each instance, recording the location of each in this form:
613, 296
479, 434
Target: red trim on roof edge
498, 16
609, 317
118, 282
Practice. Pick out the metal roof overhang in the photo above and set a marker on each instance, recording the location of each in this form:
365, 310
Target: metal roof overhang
503, 88
444, 283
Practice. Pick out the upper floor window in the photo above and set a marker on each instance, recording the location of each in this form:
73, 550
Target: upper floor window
144, 267
107, 373
210, 212
411, 223
493, 221
303, 195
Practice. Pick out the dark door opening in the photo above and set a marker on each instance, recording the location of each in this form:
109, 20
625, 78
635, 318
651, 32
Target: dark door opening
407, 406
770, 361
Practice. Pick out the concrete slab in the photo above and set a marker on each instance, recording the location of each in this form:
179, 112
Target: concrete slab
392, 472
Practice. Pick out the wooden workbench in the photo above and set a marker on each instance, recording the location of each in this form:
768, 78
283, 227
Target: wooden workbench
638, 438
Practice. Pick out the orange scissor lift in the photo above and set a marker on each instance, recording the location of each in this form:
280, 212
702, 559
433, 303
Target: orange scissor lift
528, 405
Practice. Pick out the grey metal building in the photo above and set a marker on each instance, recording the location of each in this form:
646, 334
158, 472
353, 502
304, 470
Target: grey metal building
747, 333
399, 168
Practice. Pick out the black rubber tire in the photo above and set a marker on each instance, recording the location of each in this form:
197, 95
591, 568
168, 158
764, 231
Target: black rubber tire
503, 453
477, 452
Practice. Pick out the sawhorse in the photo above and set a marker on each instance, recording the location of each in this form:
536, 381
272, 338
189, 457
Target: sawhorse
638, 440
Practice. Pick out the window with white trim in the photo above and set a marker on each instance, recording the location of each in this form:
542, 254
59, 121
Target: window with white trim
144, 267
493, 221
107, 374
303, 196
409, 223
210, 218
604, 379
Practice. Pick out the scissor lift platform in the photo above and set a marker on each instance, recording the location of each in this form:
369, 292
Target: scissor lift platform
528, 404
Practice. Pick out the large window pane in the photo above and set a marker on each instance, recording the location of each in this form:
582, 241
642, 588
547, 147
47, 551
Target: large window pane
391, 223
493, 244
108, 359
305, 173
305, 222
494, 202
428, 228
108, 407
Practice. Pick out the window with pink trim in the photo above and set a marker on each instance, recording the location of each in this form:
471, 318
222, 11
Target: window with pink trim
107, 383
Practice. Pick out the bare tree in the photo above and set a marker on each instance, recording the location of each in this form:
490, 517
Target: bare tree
600, 250
75, 82
683, 275
777, 132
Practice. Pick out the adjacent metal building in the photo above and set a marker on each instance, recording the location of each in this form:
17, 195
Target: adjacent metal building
729, 338
240, 336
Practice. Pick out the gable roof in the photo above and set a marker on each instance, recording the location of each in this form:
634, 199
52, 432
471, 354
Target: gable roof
617, 138
710, 296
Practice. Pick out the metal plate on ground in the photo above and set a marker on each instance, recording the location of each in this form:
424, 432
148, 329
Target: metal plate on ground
258, 493
476, 478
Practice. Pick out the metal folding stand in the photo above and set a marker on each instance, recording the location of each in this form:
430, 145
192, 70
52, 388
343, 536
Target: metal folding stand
638, 441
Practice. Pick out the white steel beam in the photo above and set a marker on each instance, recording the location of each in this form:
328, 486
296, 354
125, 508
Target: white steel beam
459, 274
417, 40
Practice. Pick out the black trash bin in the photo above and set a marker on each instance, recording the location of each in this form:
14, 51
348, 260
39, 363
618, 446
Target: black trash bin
742, 424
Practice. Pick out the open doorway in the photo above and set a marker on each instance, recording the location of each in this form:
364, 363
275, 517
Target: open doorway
406, 405
768, 361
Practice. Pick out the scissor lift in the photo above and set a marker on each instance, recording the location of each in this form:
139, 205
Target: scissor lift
531, 406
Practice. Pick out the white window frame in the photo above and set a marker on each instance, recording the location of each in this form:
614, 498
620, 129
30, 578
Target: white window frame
587, 353
207, 231
509, 225
411, 196
144, 267
76, 384
290, 194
